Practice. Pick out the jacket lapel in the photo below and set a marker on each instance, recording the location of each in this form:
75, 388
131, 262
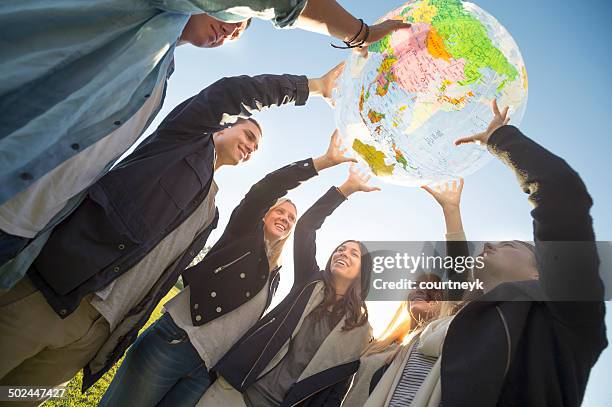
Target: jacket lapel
315, 299
338, 348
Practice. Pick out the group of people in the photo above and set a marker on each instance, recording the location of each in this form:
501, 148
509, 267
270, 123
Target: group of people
89, 247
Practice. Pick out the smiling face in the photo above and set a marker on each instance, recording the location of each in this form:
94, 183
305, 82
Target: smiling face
205, 31
279, 221
237, 143
424, 304
346, 261
507, 261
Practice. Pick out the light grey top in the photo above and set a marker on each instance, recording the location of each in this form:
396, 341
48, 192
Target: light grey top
270, 390
120, 296
415, 371
30, 211
368, 366
213, 339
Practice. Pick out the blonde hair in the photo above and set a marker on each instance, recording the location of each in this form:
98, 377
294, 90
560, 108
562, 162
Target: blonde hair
275, 251
401, 330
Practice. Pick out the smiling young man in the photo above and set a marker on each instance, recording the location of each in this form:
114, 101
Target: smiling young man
33, 212
105, 268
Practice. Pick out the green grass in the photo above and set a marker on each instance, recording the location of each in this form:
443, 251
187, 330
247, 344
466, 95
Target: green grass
73, 396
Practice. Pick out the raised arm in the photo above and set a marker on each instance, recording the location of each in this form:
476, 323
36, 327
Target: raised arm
262, 196
304, 242
448, 195
567, 257
322, 16
305, 235
226, 100
330, 18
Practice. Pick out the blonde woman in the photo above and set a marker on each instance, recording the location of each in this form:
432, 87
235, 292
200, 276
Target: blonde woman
412, 316
225, 295
305, 351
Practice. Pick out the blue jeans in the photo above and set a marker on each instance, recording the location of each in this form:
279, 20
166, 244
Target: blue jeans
161, 368
10, 246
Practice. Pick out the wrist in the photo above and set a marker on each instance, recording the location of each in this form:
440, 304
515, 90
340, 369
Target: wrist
451, 209
314, 86
346, 189
322, 162
354, 32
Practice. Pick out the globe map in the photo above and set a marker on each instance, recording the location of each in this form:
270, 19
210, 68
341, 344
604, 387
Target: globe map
421, 88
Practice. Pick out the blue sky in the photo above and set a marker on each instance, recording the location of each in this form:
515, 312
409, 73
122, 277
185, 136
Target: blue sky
565, 46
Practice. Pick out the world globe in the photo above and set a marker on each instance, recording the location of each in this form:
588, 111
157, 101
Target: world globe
423, 87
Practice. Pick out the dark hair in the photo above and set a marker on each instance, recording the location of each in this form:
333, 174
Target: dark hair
353, 303
250, 119
248, 24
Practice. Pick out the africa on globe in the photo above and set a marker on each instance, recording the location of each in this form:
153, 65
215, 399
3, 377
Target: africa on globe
421, 88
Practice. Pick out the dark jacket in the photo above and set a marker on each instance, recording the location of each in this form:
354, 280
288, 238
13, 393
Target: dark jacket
133, 207
247, 359
236, 267
533, 343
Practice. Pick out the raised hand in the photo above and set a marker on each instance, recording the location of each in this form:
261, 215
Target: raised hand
325, 85
448, 194
378, 31
499, 119
334, 155
356, 181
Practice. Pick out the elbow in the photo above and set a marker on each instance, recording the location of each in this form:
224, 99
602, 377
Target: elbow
228, 84
574, 189
563, 184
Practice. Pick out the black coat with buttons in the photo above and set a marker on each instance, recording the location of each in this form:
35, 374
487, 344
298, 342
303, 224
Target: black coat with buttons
236, 268
147, 196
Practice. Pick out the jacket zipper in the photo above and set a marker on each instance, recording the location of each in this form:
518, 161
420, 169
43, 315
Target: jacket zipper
218, 269
275, 332
318, 391
259, 329
508, 339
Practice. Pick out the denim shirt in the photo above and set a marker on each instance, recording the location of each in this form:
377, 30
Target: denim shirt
74, 73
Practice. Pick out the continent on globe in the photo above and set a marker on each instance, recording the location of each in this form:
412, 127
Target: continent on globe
374, 158
437, 77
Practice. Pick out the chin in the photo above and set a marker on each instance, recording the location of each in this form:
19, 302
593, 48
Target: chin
278, 236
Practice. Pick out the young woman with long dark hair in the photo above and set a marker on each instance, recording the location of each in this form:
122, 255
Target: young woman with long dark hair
305, 351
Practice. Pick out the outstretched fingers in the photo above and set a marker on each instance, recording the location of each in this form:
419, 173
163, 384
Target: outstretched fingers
495, 108
469, 140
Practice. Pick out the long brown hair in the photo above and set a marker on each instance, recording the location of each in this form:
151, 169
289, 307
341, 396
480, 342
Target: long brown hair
353, 303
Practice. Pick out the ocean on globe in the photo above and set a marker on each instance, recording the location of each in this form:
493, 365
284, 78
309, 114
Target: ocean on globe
421, 88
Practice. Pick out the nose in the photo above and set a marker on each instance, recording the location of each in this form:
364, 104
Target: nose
229, 29
250, 146
488, 246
